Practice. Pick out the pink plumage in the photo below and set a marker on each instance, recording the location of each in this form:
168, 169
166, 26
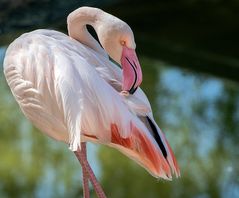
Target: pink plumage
69, 89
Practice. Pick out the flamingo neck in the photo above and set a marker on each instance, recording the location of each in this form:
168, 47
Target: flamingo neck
76, 25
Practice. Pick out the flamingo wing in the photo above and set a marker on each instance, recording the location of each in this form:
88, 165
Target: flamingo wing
29, 71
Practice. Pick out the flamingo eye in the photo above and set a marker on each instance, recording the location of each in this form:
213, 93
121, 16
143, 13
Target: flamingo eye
123, 43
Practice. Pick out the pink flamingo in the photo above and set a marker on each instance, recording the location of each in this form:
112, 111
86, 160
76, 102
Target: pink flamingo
68, 88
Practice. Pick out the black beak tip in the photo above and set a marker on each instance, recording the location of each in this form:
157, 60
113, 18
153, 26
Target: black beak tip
132, 90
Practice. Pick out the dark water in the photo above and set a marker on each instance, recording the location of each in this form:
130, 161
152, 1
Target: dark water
198, 113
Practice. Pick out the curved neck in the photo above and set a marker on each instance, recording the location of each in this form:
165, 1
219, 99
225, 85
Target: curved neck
76, 25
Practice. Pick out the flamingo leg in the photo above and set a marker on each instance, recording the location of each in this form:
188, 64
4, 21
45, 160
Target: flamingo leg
89, 172
85, 176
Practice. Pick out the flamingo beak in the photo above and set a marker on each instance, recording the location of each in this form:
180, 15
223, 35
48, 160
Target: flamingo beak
132, 73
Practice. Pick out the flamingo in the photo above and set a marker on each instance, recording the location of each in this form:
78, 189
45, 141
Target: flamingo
69, 89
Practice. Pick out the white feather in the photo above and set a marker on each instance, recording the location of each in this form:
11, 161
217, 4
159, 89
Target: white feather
57, 74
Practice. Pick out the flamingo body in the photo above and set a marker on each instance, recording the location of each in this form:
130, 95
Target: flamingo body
72, 93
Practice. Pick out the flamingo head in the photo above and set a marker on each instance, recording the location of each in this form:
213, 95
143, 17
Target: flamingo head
118, 41
115, 36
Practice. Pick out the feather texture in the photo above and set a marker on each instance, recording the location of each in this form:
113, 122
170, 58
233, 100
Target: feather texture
72, 93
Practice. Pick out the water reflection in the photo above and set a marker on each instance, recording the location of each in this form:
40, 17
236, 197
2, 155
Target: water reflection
198, 113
